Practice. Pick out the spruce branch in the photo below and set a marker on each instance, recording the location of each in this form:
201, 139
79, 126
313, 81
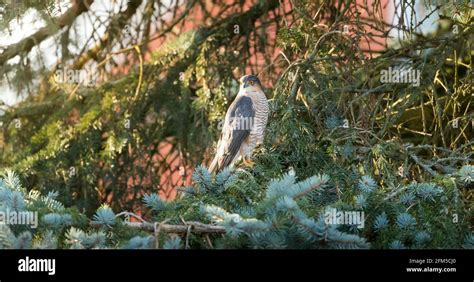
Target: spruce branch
318, 182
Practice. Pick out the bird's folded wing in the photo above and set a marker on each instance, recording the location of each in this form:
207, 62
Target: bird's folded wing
241, 119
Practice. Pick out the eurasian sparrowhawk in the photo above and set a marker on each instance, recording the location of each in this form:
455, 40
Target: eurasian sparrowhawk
244, 125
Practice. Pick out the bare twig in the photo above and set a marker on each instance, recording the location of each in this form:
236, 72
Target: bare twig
156, 231
140, 77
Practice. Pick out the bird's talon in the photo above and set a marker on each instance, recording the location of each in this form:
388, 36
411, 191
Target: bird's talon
248, 162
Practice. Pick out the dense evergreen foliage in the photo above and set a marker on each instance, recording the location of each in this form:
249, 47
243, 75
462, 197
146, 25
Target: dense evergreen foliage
339, 138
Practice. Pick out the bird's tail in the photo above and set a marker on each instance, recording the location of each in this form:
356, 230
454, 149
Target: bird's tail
214, 164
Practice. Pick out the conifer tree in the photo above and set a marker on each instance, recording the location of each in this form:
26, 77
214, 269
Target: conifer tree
83, 147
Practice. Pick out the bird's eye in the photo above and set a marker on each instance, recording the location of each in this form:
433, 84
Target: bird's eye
252, 83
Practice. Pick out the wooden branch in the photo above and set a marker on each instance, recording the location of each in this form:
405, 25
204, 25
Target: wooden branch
196, 227
25, 45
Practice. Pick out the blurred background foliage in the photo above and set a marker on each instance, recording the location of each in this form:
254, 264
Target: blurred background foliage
118, 100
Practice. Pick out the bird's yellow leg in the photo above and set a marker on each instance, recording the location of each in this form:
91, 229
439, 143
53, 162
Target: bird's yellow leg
247, 161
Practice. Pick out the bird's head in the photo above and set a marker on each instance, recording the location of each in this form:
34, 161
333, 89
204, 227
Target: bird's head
250, 83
